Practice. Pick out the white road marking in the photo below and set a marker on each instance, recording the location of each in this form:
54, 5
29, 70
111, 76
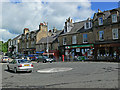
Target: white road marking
52, 70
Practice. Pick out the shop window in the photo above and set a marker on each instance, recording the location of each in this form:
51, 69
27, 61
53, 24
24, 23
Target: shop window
74, 39
100, 21
115, 33
101, 35
85, 40
114, 18
102, 51
64, 41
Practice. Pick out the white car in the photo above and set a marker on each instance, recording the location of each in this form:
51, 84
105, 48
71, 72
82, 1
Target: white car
20, 65
5, 59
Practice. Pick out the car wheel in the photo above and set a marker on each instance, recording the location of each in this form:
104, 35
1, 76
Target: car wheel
8, 68
50, 61
37, 61
30, 71
15, 70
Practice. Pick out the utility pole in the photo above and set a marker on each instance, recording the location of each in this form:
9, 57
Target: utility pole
47, 42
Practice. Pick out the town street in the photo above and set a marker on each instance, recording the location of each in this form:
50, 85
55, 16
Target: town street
64, 75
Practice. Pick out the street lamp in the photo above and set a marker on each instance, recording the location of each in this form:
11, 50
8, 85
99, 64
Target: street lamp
47, 42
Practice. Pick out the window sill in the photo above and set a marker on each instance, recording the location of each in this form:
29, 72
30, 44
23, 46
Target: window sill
101, 40
85, 42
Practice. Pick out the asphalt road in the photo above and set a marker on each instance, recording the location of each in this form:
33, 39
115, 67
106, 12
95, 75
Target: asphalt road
64, 75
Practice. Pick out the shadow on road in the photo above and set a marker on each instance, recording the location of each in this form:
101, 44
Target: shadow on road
18, 72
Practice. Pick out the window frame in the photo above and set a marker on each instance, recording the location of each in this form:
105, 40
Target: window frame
113, 18
113, 33
100, 35
74, 39
86, 38
100, 20
64, 40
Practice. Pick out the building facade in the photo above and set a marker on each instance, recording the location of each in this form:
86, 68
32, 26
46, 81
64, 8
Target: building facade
107, 34
78, 40
49, 44
28, 40
97, 38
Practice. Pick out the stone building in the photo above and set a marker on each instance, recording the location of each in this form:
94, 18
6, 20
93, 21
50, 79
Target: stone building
52, 42
78, 40
106, 28
29, 39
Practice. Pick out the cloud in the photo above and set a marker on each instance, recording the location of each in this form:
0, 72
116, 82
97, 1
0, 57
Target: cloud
5, 35
17, 16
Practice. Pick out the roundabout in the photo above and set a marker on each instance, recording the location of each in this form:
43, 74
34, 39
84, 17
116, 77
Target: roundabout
53, 70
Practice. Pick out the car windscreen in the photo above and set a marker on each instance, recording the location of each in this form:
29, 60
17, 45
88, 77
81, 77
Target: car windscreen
23, 61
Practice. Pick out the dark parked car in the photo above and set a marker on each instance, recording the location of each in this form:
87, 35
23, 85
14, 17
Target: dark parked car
33, 57
44, 59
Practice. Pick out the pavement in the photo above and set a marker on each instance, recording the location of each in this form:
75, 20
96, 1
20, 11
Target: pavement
64, 75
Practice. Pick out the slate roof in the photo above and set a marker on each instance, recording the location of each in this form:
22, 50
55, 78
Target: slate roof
106, 13
77, 26
51, 39
44, 40
16, 37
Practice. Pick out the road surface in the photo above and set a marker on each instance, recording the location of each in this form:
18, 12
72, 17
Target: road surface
64, 75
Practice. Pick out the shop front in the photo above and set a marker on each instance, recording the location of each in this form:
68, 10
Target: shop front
107, 51
79, 52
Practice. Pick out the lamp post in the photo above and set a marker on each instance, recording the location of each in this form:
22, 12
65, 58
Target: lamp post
47, 42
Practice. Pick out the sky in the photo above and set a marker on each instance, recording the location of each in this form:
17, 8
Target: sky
16, 15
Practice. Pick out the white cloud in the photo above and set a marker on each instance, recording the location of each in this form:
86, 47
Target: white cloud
5, 35
17, 16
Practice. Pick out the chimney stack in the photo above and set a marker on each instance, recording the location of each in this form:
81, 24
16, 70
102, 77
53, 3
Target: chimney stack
26, 30
43, 26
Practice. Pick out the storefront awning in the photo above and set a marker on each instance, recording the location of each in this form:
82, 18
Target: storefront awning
40, 52
48, 53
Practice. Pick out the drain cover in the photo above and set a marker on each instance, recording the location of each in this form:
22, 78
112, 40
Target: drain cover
52, 70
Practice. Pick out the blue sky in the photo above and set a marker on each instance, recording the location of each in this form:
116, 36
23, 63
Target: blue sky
16, 15
103, 5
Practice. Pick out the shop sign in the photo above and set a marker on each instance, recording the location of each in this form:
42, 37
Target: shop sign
67, 47
78, 46
107, 45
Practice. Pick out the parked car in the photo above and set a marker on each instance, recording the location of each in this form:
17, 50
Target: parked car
44, 59
33, 57
5, 59
20, 65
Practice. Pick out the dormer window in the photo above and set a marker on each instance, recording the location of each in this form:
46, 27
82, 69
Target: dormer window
88, 25
114, 18
100, 21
